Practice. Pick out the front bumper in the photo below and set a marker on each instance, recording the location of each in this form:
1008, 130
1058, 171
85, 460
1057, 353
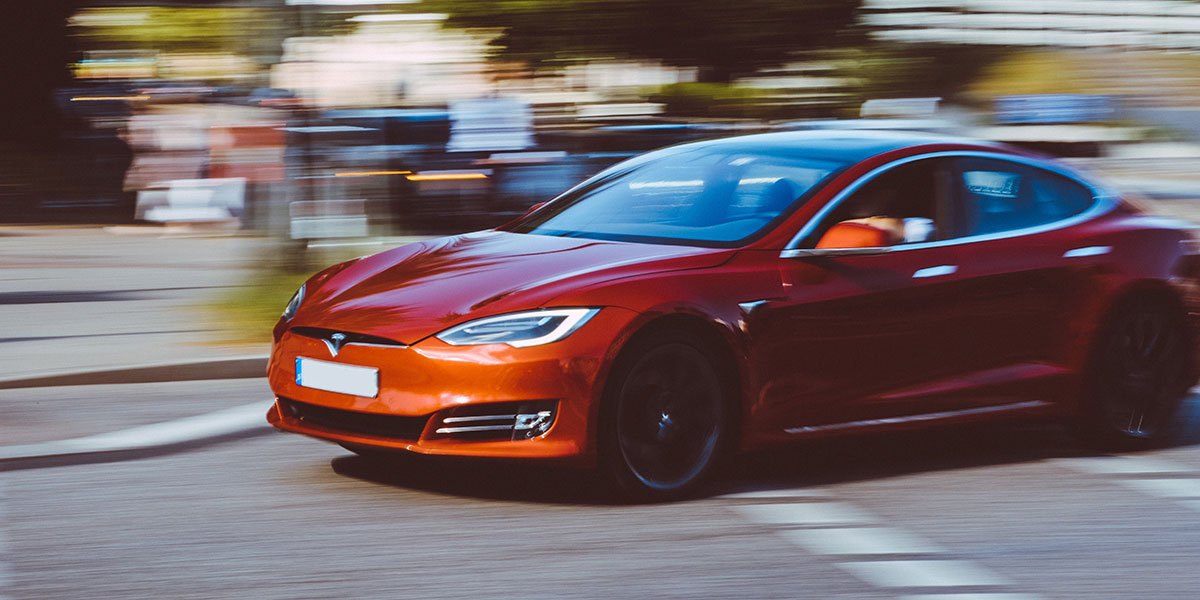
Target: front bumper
423, 384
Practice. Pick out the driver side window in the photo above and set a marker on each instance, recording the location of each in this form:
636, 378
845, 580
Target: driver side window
900, 206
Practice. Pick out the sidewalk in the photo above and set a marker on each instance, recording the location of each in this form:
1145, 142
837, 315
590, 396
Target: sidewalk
106, 331
95, 302
85, 298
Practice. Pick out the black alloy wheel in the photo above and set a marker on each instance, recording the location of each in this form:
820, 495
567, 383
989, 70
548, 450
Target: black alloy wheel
1139, 374
665, 421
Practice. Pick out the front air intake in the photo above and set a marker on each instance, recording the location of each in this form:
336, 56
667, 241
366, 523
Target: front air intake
497, 421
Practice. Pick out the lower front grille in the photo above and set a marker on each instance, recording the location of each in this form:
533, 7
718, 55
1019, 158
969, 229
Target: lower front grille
496, 421
349, 421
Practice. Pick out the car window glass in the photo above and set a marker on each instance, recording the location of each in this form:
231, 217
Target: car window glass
902, 201
767, 188
1056, 197
704, 197
997, 196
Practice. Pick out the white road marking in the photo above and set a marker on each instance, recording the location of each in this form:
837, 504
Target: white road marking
223, 422
1176, 489
805, 514
793, 493
1166, 488
842, 530
1123, 465
860, 540
970, 597
922, 573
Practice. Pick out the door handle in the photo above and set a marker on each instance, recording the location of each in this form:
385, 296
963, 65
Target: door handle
753, 305
937, 271
1087, 251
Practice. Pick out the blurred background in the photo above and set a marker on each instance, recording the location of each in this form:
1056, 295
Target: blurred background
314, 124
318, 119
172, 170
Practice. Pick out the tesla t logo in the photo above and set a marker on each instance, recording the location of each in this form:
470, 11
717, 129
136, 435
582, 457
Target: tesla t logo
335, 343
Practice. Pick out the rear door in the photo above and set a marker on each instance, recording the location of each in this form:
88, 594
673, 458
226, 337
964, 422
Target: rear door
1020, 269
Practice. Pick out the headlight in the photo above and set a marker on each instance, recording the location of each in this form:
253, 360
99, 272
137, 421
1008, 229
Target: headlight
521, 329
294, 304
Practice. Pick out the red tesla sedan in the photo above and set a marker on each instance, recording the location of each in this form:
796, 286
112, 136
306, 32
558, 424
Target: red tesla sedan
724, 295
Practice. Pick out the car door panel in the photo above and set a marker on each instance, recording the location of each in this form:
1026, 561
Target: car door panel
1019, 273
852, 330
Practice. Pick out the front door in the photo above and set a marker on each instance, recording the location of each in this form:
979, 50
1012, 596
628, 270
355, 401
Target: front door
856, 338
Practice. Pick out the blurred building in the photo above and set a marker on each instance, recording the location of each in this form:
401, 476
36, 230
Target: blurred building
386, 60
1126, 24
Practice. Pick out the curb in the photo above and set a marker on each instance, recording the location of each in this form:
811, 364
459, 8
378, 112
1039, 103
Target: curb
146, 440
243, 367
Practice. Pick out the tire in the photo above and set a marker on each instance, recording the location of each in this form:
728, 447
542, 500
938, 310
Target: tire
1138, 374
664, 421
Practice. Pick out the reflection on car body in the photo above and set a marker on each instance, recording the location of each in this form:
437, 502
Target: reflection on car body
726, 295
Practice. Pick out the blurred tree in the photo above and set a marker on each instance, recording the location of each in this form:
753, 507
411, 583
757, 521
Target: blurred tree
235, 30
722, 39
886, 70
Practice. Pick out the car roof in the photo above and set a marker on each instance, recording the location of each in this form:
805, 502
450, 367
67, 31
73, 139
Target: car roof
841, 146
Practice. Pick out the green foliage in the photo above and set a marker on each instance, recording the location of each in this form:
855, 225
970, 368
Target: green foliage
913, 70
174, 29
1038, 72
713, 100
248, 312
723, 39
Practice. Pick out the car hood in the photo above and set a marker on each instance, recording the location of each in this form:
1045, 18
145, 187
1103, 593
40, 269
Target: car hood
409, 293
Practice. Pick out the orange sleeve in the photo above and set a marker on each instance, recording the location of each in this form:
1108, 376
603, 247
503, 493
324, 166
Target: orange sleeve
854, 235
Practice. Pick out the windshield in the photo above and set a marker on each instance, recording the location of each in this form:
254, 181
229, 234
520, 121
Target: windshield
700, 197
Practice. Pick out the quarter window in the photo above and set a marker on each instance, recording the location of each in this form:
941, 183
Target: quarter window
997, 196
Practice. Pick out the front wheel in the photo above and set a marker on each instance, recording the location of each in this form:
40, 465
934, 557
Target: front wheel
1138, 376
665, 417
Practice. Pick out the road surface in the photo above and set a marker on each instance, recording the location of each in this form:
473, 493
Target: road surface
994, 513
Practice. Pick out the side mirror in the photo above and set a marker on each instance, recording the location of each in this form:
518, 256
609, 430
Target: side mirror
527, 212
530, 210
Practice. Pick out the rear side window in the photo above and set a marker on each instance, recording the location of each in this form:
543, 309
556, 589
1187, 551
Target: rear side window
997, 196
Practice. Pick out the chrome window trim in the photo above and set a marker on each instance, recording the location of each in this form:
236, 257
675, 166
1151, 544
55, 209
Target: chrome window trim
1104, 200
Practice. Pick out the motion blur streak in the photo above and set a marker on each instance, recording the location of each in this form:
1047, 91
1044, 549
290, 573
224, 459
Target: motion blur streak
171, 172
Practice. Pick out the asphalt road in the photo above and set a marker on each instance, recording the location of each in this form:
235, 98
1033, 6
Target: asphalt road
997, 513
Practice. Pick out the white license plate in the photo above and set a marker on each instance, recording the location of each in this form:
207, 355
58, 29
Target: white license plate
336, 377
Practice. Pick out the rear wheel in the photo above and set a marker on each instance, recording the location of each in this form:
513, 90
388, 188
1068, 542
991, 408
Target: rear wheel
665, 417
1139, 374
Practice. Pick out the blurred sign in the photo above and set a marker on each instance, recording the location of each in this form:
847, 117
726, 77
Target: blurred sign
254, 152
397, 126
490, 125
116, 68
317, 219
190, 200
1045, 109
900, 108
